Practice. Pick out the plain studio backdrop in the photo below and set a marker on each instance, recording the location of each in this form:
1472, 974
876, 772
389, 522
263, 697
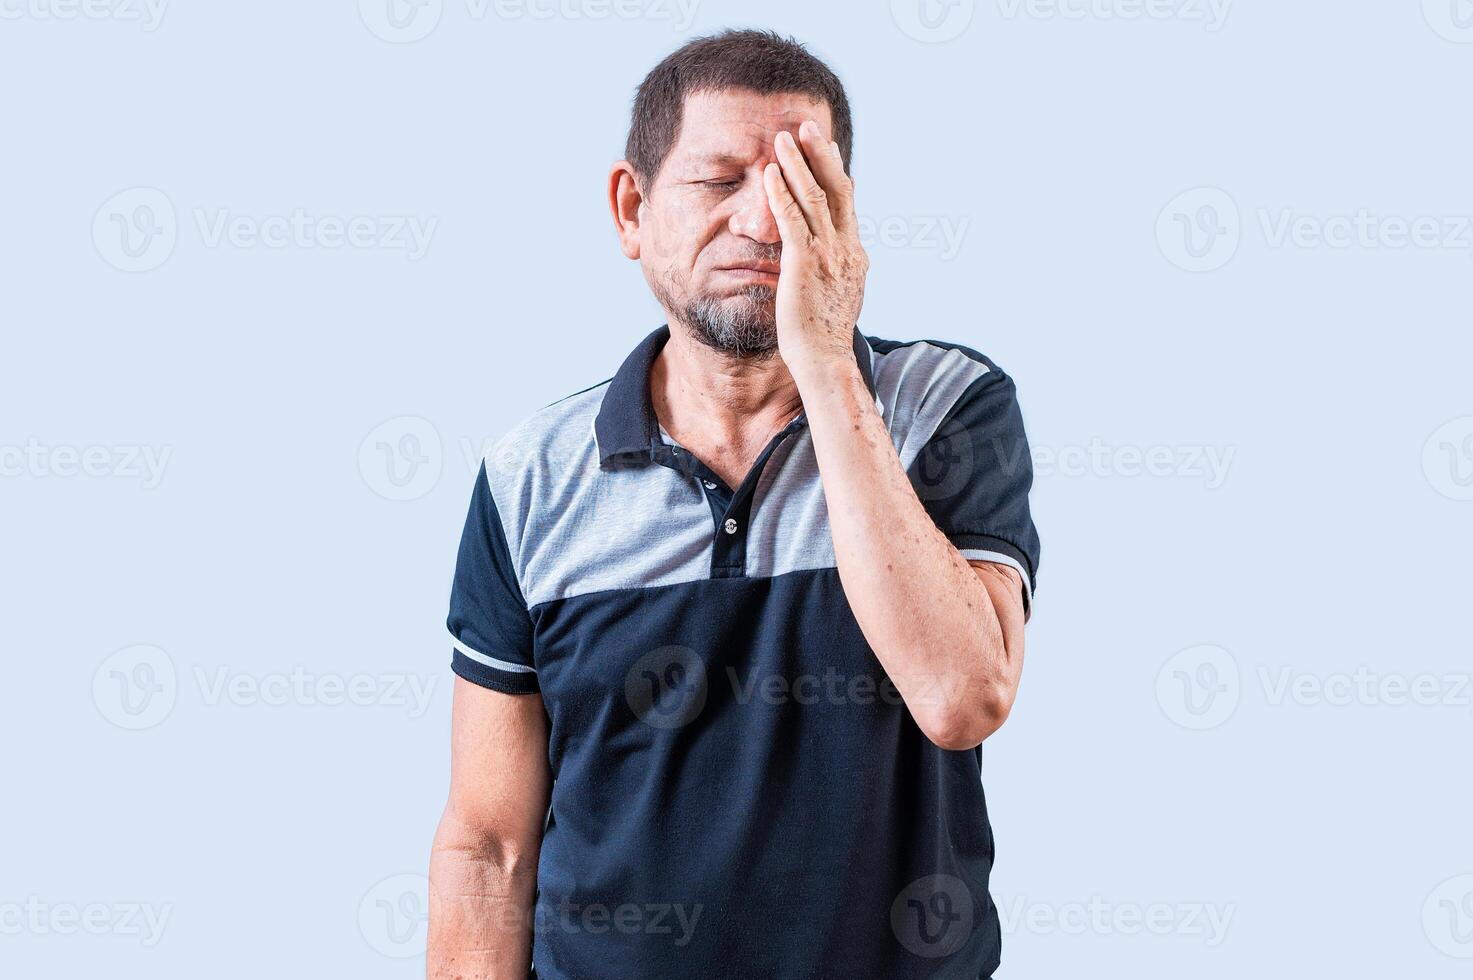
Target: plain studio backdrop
275, 274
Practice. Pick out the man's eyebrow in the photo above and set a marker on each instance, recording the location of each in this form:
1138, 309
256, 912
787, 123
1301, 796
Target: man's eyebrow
717, 160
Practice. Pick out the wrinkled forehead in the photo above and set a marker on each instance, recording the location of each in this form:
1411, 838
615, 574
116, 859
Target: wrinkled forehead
737, 126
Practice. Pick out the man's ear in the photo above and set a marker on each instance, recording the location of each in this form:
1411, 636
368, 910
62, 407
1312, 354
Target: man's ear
625, 199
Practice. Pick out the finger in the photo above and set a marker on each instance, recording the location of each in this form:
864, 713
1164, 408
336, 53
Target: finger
827, 164
811, 198
791, 224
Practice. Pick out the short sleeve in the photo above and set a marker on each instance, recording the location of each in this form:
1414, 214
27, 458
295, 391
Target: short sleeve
973, 476
489, 624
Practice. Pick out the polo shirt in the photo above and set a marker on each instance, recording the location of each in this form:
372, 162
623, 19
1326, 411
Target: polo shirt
738, 789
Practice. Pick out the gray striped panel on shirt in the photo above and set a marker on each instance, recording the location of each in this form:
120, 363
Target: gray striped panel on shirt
918, 384
574, 528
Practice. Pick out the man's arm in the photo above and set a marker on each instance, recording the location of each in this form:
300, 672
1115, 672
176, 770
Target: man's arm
949, 636
483, 865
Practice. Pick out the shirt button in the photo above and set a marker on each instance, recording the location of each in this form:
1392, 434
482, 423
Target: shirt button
708, 484
730, 525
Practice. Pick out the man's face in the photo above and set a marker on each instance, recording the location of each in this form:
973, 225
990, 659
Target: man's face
709, 245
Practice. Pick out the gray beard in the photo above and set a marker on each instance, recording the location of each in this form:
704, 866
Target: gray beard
743, 324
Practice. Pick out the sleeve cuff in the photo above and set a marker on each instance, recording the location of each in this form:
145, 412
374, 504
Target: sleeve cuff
981, 547
488, 671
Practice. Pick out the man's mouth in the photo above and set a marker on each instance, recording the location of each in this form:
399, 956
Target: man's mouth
754, 270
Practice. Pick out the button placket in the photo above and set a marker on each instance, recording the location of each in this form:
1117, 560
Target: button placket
730, 508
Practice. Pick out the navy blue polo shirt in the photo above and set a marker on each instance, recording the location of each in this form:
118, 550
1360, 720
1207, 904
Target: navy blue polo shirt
739, 790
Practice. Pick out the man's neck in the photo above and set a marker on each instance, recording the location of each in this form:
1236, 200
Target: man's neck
723, 409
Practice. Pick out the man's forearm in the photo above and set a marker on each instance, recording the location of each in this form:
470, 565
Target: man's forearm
920, 605
924, 611
481, 906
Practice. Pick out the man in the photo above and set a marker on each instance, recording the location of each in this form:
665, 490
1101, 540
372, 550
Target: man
730, 627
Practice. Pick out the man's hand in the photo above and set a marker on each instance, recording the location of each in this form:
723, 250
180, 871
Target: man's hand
821, 287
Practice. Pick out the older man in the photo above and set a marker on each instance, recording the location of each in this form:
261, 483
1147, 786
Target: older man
731, 627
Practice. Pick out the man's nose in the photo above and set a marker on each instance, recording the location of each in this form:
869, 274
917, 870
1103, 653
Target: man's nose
752, 218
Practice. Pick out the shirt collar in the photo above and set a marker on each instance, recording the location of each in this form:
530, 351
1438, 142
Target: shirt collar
626, 423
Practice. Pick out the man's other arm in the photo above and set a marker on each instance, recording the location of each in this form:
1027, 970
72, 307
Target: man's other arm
483, 865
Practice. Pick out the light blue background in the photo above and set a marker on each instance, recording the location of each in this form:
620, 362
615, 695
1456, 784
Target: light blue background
1337, 377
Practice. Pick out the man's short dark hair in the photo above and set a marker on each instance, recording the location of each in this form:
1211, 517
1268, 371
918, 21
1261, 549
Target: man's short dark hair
761, 61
